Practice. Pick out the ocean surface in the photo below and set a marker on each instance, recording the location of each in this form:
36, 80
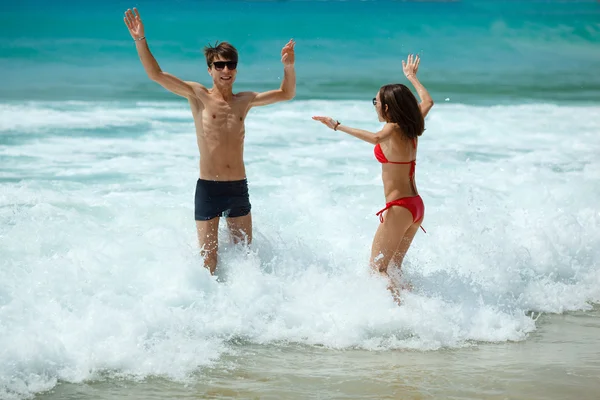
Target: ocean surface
102, 292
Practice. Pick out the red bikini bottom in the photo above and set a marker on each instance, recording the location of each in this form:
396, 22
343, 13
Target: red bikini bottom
414, 204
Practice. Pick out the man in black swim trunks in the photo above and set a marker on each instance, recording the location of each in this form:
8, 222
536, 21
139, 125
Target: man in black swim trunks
219, 114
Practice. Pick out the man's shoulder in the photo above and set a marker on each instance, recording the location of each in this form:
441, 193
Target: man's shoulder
244, 98
198, 86
245, 95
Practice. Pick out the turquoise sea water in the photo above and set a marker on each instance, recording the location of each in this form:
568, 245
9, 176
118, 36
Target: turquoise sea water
102, 293
472, 51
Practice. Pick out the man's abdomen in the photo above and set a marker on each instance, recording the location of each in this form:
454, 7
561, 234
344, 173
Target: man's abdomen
223, 168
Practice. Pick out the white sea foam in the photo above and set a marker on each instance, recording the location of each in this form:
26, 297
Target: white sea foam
100, 272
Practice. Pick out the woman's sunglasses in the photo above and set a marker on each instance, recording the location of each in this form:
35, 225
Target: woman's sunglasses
374, 101
220, 65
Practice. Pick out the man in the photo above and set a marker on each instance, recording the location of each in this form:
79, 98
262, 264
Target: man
219, 116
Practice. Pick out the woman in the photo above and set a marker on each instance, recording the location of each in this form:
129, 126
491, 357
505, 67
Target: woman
396, 149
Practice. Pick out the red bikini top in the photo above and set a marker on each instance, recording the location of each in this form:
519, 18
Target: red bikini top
383, 159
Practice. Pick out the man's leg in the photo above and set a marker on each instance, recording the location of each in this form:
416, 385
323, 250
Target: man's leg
241, 228
208, 240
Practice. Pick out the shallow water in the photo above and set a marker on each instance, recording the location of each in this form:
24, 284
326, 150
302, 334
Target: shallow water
559, 361
101, 270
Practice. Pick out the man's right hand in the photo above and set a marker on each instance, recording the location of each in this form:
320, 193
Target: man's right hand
287, 53
134, 23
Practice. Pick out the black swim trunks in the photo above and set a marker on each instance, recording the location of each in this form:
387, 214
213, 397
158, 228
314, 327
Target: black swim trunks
221, 199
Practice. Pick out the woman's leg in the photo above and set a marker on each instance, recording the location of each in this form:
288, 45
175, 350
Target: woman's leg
402, 249
389, 236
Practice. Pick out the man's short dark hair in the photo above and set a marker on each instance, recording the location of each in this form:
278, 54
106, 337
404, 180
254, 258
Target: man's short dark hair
224, 50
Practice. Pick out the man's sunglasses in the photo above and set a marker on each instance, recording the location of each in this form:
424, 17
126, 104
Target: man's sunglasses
220, 65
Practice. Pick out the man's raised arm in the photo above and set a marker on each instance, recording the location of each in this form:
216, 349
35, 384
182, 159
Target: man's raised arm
170, 82
287, 91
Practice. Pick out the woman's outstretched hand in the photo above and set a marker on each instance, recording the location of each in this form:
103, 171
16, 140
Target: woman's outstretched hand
411, 66
328, 121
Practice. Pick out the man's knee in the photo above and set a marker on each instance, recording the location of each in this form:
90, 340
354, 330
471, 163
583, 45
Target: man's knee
208, 251
210, 258
240, 228
241, 236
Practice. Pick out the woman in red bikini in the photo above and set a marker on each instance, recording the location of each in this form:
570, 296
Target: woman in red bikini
396, 149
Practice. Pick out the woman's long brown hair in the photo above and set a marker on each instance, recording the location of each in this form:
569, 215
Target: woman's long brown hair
402, 109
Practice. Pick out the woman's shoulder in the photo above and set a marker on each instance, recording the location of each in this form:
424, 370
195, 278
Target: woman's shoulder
392, 127
396, 131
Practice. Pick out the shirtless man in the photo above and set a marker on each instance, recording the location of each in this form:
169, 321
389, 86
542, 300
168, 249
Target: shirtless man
219, 115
